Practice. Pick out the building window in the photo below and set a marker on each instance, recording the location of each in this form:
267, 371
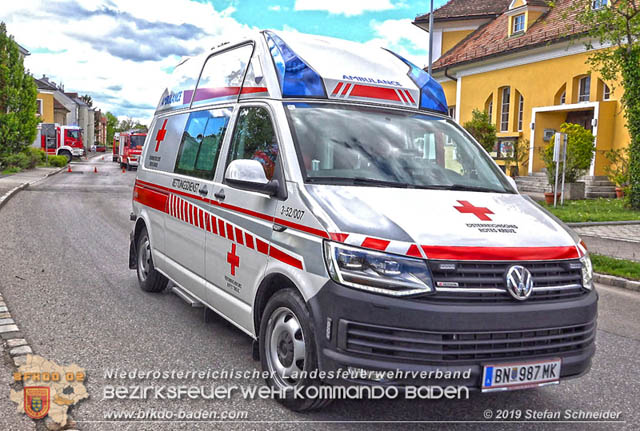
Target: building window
518, 24
584, 93
520, 112
452, 111
504, 115
598, 4
606, 92
39, 107
490, 110
563, 98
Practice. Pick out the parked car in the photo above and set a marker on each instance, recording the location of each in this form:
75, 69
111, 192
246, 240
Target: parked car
101, 148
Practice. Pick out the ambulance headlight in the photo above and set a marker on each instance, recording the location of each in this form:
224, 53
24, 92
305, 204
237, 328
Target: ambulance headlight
377, 272
587, 272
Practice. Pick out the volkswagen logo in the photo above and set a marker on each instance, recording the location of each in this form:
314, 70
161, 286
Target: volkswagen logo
519, 282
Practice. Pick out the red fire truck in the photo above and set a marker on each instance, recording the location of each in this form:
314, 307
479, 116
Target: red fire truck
60, 140
130, 148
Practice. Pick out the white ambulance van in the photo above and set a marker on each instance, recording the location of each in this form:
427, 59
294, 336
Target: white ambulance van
315, 194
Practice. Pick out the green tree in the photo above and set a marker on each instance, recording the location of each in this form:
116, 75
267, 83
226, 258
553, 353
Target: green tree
580, 149
112, 126
18, 93
617, 25
481, 128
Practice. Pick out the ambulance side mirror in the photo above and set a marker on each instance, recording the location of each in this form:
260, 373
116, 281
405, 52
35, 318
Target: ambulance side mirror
249, 175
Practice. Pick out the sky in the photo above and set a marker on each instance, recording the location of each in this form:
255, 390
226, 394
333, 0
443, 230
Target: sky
121, 52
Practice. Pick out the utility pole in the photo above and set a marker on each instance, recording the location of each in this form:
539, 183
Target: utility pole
431, 38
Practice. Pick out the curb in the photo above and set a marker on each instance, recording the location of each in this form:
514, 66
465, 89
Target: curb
602, 223
612, 280
18, 348
8, 195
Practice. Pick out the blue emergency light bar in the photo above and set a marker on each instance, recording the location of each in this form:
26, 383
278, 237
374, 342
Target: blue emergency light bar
431, 93
297, 78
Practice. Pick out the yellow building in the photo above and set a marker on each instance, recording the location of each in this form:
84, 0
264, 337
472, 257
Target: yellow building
49, 110
515, 60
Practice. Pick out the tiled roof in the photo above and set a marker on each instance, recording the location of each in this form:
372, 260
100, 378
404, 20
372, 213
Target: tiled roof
44, 85
491, 39
467, 9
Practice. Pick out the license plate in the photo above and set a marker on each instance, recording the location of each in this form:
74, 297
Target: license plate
520, 375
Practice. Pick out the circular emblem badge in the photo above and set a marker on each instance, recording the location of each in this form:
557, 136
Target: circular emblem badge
519, 282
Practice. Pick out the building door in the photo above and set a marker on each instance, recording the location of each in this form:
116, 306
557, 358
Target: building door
582, 118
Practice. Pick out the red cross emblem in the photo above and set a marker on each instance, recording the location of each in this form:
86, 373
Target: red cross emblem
479, 212
161, 134
233, 259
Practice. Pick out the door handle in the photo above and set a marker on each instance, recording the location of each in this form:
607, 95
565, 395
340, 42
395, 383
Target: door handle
219, 194
203, 191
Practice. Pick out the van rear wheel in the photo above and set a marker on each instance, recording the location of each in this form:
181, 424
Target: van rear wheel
149, 278
287, 350
67, 155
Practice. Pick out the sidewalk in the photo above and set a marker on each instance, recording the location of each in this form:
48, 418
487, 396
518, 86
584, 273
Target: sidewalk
620, 240
9, 182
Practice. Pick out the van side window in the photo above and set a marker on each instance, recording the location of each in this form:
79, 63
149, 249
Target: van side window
254, 138
200, 144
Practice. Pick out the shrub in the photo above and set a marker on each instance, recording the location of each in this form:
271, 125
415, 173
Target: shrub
11, 170
19, 160
57, 161
37, 155
580, 149
618, 170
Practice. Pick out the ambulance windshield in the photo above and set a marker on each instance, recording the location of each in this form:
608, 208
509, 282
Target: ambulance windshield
351, 145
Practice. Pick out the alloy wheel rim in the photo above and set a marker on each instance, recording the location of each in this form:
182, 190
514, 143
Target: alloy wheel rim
144, 259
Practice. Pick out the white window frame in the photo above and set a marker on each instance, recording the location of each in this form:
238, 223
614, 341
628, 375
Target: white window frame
520, 112
518, 24
490, 110
606, 92
563, 97
504, 112
40, 107
452, 111
584, 89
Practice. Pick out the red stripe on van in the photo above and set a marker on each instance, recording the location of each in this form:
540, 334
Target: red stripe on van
151, 198
262, 246
337, 89
500, 253
374, 92
221, 227
340, 237
414, 251
239, 236
214, 222
375, 243
284, 257
409, 96
303, 228
346, 89
248, 239
230, 232
251, 90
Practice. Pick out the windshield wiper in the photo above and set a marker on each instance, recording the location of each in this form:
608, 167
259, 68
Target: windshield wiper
358, 181
463, 187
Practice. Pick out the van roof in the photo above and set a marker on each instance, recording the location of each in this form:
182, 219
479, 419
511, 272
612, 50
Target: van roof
287, 65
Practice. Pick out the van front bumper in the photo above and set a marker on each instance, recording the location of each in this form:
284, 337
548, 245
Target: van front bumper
363, 331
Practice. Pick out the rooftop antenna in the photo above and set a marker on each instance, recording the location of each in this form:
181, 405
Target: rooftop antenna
431, 39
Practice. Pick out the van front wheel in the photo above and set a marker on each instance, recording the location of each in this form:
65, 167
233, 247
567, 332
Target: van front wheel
149, 278
287, 350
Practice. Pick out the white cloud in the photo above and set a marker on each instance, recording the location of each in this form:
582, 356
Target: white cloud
344, 7
402, 37
115, 50
275, 8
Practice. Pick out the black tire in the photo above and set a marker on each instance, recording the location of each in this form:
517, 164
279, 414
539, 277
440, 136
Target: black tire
122, 165
284, 305
67, 155
149, 278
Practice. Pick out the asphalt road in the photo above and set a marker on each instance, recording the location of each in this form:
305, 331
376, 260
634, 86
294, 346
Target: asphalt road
64, 275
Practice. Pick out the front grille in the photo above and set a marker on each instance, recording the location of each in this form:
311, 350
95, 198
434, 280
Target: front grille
485, 281
398, 344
